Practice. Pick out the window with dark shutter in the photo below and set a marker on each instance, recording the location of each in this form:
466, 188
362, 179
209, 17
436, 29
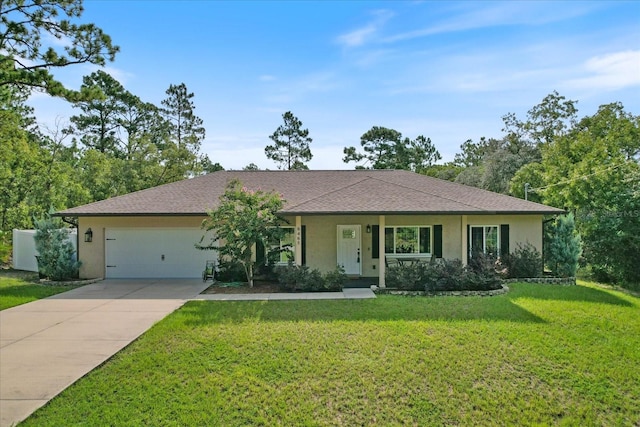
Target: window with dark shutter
437, 241
504, 239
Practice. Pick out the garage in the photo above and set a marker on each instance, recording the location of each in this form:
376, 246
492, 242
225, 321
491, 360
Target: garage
154, 253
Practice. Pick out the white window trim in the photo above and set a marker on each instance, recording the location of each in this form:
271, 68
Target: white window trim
411, 255
484, 243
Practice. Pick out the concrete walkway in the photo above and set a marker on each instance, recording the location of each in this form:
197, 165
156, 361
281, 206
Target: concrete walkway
46, 345
349, 293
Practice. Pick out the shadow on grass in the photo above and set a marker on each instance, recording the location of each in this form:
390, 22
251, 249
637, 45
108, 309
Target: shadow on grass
566, 293
382, 309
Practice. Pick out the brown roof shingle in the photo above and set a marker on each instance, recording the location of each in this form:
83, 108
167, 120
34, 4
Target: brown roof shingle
318, 192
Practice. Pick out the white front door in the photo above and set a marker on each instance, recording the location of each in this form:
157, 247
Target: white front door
349, 249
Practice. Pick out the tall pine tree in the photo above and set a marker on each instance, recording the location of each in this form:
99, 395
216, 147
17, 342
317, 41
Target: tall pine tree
291, 144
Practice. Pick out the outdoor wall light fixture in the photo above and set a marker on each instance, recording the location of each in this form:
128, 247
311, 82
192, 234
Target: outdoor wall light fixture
368, 228
88, 235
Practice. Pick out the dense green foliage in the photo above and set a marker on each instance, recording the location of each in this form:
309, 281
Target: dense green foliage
525, 261
243, 219
563, 246
5, 247
296, 278
538, 355
385, 148
118, 145
57, 259
590, 166
290, 149
445, 275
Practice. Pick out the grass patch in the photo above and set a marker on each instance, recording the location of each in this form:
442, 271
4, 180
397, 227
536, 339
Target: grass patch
18, 288
539, 355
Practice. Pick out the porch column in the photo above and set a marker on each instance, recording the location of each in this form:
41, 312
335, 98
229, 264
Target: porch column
298, 254
464, 243
381, 256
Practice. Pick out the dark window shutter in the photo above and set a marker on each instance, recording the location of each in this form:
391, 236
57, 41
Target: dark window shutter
375, 241
437, 241
504, 239
303, 241
425, 240
469, 241
260, 253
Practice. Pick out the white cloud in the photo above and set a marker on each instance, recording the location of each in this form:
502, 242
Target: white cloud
266, 78
612, 71
120, 75
63, 41
362, 35
479, 15
296, 89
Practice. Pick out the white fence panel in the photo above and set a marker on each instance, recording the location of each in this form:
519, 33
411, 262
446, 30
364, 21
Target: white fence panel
24, 248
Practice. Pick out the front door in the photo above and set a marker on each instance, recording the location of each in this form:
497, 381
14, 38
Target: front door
349, 253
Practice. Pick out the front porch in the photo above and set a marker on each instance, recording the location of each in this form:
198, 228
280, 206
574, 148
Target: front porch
361, 282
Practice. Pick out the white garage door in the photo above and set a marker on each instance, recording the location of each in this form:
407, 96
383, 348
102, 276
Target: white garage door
154, 253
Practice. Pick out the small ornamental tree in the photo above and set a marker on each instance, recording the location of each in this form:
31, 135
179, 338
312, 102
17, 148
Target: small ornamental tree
563, 246
243, 219
56, 255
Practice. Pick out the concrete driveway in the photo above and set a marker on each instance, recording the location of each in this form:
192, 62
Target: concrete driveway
46, 345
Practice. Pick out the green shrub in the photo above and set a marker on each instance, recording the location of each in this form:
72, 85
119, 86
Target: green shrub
56, 257
563, 246
445, 275
481, 274
296, 278
230, 271
406, 277
525, 261
336, 279
5, 247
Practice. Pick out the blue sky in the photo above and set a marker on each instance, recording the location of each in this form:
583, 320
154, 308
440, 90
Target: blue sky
445, 70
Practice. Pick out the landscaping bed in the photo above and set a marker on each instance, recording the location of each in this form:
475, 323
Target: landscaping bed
488, 293
259, 287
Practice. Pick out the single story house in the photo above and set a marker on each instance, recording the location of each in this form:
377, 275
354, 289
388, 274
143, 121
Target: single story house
360, 219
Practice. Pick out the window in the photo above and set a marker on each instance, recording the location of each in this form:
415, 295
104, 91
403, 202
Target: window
407, 240
485, 239
285, 248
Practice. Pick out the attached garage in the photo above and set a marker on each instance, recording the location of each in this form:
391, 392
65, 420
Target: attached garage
154, 253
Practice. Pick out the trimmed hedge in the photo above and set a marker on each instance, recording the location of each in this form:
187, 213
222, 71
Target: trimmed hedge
295, 278
445, 275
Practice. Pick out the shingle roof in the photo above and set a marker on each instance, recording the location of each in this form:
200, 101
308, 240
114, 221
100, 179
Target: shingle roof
318, 192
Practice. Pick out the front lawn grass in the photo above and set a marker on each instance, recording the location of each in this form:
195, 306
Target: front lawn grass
539, 355
18, 288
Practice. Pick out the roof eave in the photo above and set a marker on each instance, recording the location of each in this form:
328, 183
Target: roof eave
551, 211
120, 214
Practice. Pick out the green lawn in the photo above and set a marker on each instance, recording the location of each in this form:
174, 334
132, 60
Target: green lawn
18, 288
539, 355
